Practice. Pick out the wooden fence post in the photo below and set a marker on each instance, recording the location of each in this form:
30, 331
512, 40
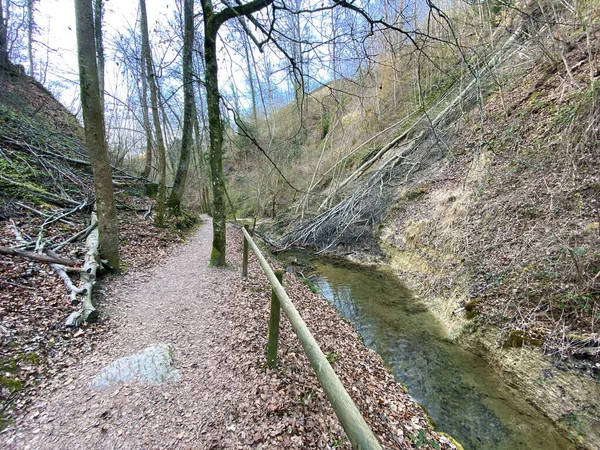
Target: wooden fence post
274, 325
245, 258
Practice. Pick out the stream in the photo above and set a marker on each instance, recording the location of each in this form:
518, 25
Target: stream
459, 390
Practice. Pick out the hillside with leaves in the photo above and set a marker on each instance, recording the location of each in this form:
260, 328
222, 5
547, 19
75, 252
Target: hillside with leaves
46, 197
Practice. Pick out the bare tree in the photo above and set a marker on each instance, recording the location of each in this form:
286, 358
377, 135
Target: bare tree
212, 22
146, 116
93, 117
154, 96
174, 202
98, 19
3, 39
30, 29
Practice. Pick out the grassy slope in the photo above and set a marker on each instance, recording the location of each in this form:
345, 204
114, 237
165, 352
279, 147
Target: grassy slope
502, 234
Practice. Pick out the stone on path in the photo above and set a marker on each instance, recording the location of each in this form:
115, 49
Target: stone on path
152, 365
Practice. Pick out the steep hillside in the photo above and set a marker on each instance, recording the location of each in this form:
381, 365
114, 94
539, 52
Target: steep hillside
488, 206
46, 197
502, 238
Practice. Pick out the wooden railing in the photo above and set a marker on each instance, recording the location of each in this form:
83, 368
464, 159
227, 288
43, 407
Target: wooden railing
359, 433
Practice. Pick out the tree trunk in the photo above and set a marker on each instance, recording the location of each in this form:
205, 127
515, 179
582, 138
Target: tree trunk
249, 61
88, 275
212, 22
98, 18
199, 161
146, 116
174, 202
162, 160
93, 118
3, 40
217, 256
30, 35
88, 278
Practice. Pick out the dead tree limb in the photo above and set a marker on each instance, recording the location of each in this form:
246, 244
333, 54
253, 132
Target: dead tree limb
40, 193
80, 235
18, 234
88, 275
149, 211
37, 256
43, 214
74, 290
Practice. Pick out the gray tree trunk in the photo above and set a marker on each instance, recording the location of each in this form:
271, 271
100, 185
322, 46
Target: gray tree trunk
162, 160
212, 23
3, 40
146, 116
93, 118
217, 256
98, 18
30, 25
174, 202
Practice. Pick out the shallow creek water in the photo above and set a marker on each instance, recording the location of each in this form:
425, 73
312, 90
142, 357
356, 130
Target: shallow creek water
459, 390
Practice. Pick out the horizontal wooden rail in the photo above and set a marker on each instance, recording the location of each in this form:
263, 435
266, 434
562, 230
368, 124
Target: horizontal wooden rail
359, 433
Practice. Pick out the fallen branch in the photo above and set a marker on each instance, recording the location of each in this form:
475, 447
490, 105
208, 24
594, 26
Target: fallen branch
74, 290
80, 235
74, 319
47, 196
18, 234
149, 211
38, 256
43, 214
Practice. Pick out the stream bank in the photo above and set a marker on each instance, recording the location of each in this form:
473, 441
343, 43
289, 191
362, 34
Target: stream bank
458, 389
569, 397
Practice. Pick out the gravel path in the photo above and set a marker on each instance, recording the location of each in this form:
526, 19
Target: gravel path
224, 397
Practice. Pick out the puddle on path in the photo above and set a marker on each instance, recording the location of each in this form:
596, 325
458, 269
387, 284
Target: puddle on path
152, 365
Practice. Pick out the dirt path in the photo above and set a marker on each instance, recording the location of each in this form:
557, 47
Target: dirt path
181, 302
223, 398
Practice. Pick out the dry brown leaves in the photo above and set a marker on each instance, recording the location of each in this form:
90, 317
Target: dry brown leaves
226, 398
34, 304
289, 402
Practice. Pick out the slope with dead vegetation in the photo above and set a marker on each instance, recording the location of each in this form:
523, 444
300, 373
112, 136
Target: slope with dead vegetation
490, 211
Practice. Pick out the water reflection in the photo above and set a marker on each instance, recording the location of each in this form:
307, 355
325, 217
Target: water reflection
460, 392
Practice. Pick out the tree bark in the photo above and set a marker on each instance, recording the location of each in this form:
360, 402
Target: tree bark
174, 202
3, 40
88, 275
162, 160
146, 116
93, 118
217, 256
98, 18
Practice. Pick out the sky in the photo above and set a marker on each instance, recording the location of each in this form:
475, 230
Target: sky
56, 19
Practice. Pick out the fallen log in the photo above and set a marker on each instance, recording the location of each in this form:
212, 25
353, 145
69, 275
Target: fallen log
74, 319
38, 256
88, 274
